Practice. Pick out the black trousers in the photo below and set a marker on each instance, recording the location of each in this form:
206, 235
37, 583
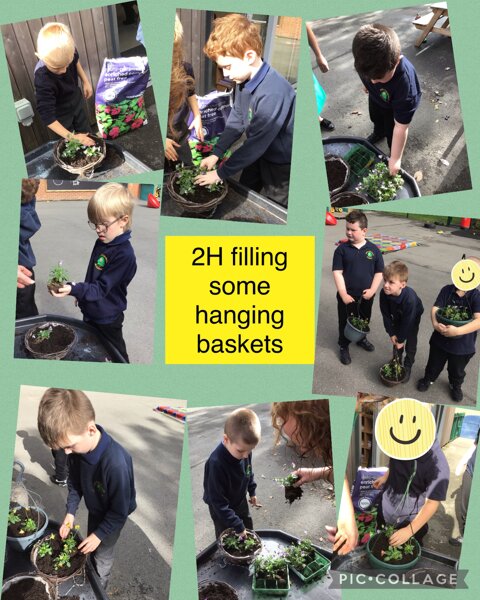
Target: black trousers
114, 334
456, 364
242, 511
72, 114
363, 310
269, 178
419, 535
410, 347
26, 306
382, 119
61, 464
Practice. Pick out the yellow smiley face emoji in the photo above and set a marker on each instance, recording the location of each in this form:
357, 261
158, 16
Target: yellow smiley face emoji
405, 429
466, 274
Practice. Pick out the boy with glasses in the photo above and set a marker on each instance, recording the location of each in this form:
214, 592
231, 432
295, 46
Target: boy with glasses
102, 297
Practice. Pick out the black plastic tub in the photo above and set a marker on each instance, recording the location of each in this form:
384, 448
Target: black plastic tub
91, 346
240, 204
211, 565
117, 163
340, 145
88, 587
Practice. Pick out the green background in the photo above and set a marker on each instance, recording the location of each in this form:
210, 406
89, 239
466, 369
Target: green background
214, 385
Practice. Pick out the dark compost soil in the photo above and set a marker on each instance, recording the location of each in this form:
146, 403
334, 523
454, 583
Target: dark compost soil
45, 563
379, 545
54, 286
293, 493
26, 589
59, 339
201, 194
336, 173
347, 199
23, 513
217, 591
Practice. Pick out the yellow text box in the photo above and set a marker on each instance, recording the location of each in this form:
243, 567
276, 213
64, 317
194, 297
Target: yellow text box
239, 299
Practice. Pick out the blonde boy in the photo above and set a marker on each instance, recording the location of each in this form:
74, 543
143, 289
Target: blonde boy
101, 471
102, 297
59, 99
401, 310
263, 110
228, 473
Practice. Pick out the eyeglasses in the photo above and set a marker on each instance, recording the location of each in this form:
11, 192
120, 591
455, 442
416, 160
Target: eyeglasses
103, 226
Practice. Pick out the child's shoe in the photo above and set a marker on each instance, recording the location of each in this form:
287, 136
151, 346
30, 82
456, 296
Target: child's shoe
366, 345
456, 393
408, 371
375, 136
423, 384
345, 358
326, 125
59, 482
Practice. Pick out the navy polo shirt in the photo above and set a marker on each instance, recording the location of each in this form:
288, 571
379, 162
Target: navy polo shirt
400, 312
359, 265
401, 94
462, 344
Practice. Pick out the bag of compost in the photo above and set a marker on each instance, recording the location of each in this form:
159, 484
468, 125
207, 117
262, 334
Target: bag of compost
214, 108
119, 103
364, 494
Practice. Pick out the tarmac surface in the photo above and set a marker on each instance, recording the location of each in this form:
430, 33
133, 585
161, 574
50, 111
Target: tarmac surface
144, 552
303, 518
429, 264
65, 236
437, 128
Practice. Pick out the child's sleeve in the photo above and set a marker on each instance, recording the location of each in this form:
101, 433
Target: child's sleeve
269, 117
46, 98
408, 316
216, 496
234, 129
437, 488
337, 261
387, 319
252, 485
75, 493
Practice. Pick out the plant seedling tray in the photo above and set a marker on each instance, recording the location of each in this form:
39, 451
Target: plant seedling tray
314, 570
430, 562
88, 588
259, 586
359, 159
240, 204
342, 145
211, 565
91, 346
117, 163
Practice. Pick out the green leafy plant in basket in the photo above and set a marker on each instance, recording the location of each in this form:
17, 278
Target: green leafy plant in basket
186, 180
359, 323
379, 184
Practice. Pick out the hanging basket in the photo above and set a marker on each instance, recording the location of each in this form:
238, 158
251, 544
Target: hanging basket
211, 586
346, 199
195, 207
22, 543
84, 171
353, 334
238, 560
33, 345
446, 321
49, 576
338, 174
392, 382
380, 564
25, 579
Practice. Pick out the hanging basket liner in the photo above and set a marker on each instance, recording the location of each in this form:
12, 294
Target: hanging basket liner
221, 586
330, 159
30, 344
238, 560
195, 207
54, 579
87, 170
8, 583
346, 199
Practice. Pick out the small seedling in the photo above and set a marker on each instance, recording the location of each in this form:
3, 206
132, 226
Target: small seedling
393, 553
43, 334
270, 567
13, 517
388, 531
186, 180
29, 525
456, 313
72, 146
92, 151
359, 323
299, 555
392, 370
44, 549
62, 560
379, 184
287, 481
408, 547
58, 274
235, 542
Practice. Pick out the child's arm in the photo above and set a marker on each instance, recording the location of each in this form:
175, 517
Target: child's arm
424, 515
377, 279
196, 124
60, 130
452, 331
87, 86
387, 320
345, 535
170, 149
399, 139
312, 42
339, 280
75, 494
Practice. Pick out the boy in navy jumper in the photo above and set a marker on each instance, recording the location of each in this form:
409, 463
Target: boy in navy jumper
401, 310
449, 344
102, 297
59, 99
263, 110
392, 86
357, 271
101, 471
228, 474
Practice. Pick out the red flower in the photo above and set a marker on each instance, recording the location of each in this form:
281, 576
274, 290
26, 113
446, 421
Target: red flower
365, 538
368, 518
114, 132
107, 109
104, 135
137, 123
129, 117
140, 102
361, 517
115, 111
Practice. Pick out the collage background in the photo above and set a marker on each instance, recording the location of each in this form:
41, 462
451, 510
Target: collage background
221, 384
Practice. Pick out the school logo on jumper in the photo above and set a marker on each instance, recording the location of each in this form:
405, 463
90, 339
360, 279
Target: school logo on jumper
369, 254
98, 486
101, 262
248, 470
384, 95
250, 115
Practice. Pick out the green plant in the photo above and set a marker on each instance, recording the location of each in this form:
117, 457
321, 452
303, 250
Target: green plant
379, 184
29, 525
388, 531
456, 313
58, 274
269, 567
13, 517
299, 555
62, 560
359, 323
392, 370
44, 549
43, 334
70, 543
92, 151
235, 542
409, 547
72, 146
287, 481
393, 553
186, 180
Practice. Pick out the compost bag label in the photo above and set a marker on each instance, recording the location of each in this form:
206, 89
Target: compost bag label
239, 300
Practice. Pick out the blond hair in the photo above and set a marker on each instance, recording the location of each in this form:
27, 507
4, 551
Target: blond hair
111, 200
396, 269
62, 413
55, 45
243, 425
233, 35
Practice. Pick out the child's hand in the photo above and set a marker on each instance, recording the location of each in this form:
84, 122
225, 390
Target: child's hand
89, 544
367, 294
305, 475
66, 526
380, 482
209, 162
198, 127
347, 299
87, 89
23, 277
322, 63
170, 151
242, 534
393, 339
449, 330
207, 178
62, 292
400, 536
394, 166
254, 502
84, 139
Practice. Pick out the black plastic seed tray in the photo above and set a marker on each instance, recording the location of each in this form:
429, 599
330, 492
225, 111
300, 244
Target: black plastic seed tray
342, 145
86, 586
212, 566
91, 346
240, 204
